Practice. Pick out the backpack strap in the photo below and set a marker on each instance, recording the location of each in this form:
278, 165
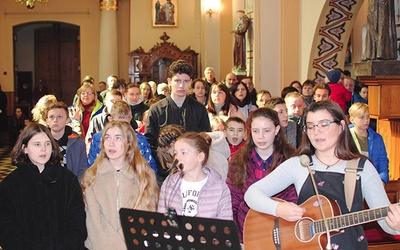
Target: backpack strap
350, 177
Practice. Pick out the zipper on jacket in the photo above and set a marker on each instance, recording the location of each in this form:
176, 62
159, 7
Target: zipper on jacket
118, 175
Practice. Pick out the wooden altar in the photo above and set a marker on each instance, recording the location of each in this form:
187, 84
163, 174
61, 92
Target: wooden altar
153, 65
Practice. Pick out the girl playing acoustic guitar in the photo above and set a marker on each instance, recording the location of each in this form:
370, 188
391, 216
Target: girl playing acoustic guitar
326, 138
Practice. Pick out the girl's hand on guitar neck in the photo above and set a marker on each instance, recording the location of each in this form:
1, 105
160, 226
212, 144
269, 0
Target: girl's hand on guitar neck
393, 218
289, 211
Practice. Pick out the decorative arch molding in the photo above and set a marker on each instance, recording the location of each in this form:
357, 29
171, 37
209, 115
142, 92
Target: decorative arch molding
332, 34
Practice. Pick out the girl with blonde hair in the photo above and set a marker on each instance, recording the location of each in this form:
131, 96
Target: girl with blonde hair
120, 177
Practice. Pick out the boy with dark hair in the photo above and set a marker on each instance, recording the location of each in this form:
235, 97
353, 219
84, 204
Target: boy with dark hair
72, 147
322, 92
289, 127
177, 108
235, 132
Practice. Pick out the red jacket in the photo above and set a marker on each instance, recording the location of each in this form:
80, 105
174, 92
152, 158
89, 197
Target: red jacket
340, 95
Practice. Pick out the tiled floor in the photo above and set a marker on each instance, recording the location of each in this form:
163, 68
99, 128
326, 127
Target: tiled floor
5, 162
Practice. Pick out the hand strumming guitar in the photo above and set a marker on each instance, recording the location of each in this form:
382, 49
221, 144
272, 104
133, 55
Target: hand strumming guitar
289, 211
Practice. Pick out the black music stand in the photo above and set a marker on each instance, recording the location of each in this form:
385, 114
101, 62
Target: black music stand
149, 230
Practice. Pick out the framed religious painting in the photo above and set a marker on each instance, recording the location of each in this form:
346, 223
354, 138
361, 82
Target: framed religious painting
164, 13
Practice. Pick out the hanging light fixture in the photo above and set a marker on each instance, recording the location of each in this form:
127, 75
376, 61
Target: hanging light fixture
30, 4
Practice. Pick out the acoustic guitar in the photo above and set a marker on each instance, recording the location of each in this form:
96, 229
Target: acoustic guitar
263, 231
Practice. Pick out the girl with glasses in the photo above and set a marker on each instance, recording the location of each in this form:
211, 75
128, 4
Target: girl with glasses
327, 141
86, 107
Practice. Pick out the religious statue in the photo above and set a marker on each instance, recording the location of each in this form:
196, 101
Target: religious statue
381, 39
239, 50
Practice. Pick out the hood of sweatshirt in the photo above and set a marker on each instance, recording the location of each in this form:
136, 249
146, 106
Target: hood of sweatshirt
219, 143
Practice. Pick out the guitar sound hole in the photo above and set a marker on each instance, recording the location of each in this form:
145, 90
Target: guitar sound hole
303, 230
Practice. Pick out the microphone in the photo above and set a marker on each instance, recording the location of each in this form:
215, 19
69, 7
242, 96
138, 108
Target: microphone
176, 165
305, 161
171, 213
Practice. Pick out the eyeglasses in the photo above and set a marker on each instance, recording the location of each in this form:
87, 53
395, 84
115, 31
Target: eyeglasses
87, 93
322, 126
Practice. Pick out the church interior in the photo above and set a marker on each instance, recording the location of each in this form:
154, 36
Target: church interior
58, 42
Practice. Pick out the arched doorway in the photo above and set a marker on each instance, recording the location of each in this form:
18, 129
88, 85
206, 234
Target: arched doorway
46, 61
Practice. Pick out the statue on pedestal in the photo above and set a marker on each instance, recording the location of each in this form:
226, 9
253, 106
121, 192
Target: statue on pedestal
381, 39
239, 50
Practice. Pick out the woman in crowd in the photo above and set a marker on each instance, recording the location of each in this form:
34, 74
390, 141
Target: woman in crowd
263, 151
199, 87
120, 177
86, 107
328, 143
41, 201
145, 90
262, 97
195, 189
297, 85
220, 102
240, 95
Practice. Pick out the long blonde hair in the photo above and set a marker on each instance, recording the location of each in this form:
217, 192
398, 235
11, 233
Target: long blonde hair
144, 181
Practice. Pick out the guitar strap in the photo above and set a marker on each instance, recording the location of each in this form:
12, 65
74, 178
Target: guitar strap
350, 178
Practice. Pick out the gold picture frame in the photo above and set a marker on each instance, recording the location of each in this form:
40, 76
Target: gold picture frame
164, 13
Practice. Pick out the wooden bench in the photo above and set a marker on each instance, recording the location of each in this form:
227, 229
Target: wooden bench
377, 238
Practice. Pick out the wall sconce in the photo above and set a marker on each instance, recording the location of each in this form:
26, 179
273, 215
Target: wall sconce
211, 7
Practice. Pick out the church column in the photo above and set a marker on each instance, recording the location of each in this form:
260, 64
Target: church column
108, 54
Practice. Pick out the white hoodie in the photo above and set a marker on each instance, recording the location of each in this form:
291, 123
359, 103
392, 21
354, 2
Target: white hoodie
219, 153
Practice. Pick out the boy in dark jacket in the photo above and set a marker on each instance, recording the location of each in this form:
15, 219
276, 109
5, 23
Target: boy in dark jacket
72, 147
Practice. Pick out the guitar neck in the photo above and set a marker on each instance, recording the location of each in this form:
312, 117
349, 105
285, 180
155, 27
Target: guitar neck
352, 219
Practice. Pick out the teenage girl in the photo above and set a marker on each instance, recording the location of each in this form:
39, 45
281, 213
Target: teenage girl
120, 177
263, 151
41, 201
